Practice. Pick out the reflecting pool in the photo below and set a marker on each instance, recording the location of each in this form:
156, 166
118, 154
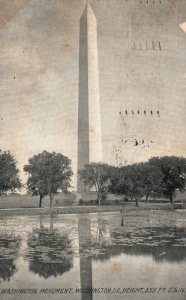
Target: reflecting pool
138, 255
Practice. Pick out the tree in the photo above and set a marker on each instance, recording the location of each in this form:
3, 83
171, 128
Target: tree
48, 172
173, 169
37, 187
9, 173
127, 181
117, 181
96, 175
152, 178
134, 182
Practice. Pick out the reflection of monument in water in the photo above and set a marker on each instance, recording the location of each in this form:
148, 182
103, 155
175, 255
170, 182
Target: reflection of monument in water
84, 232
89, 119
99, 241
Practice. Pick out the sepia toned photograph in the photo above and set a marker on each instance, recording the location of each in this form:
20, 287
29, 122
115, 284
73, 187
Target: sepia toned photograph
93, 149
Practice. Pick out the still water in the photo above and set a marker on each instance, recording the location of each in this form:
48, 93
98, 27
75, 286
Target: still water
130, 256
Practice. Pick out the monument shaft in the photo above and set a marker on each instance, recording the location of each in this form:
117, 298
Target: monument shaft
89, 119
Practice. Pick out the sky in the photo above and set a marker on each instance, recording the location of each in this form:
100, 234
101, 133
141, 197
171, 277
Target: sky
142, 66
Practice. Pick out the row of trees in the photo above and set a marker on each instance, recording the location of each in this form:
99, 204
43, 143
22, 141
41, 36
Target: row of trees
159, 177
50, 172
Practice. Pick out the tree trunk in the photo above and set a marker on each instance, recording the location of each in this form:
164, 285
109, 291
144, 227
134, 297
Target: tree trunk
98, 196
171, 197
40, 200
146, 198
137, 202
51, 198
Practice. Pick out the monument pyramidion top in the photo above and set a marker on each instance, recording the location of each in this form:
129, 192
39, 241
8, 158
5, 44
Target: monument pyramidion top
88, 11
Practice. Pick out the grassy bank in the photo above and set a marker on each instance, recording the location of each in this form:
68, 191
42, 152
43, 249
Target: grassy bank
84, 209
58, 210
67, 204
28, 201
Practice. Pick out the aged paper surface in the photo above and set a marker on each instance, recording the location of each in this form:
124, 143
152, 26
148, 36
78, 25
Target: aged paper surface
98, 81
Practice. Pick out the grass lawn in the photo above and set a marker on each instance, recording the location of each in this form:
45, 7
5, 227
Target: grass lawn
28, 201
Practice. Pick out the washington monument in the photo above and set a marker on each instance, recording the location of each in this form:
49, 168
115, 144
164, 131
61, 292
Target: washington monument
89, 119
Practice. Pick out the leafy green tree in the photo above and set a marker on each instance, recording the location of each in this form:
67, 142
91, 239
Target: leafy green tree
152, 178
9, 173
134, 188
96, 175
117, 181
127, 181
48, 172
173, 169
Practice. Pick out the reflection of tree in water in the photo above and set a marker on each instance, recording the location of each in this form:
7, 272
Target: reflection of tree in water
9, 246
162, 243
49, 252
102, 231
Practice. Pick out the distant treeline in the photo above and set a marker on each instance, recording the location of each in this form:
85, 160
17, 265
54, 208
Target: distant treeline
159, 177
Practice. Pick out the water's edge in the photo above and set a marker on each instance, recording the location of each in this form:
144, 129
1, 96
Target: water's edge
78, 209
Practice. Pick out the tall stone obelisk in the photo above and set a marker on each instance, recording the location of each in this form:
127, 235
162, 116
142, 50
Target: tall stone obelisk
89, 119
